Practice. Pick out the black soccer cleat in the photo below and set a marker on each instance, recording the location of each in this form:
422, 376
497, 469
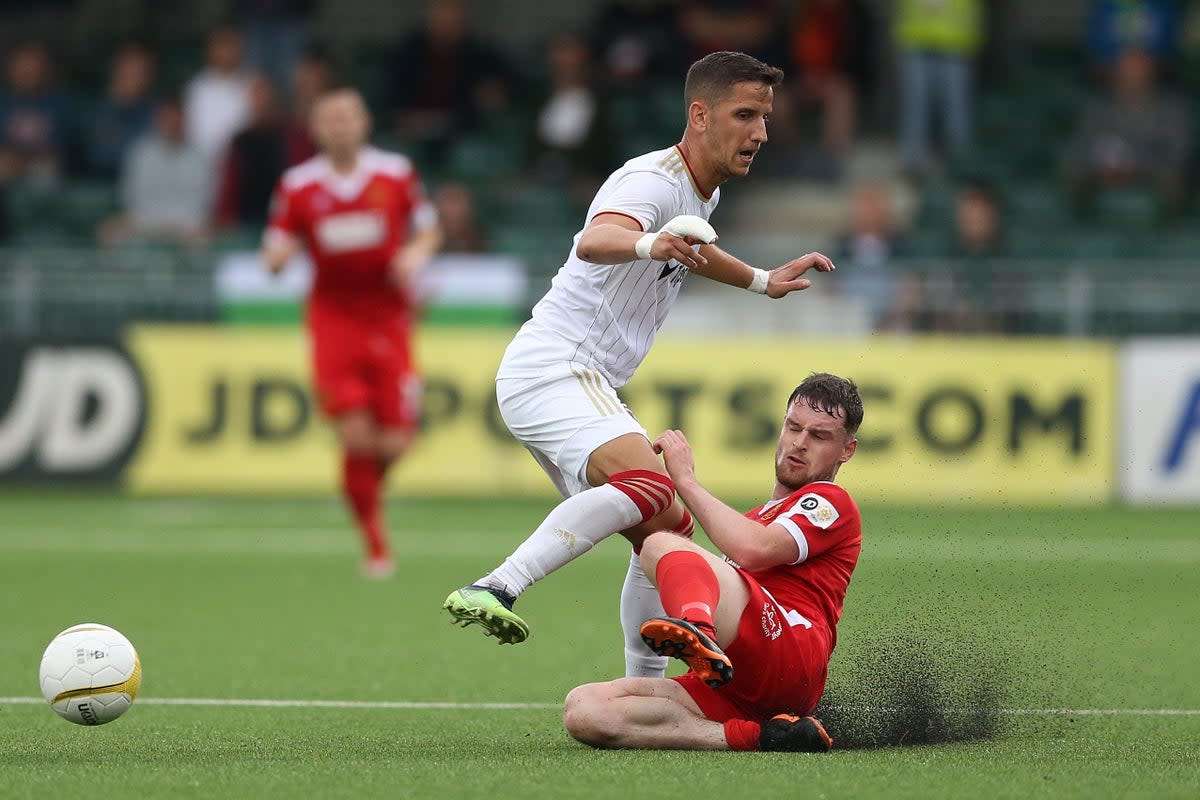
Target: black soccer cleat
678, 638
788, 733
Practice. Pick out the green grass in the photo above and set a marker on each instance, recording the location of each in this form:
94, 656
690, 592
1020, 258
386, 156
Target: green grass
242, 598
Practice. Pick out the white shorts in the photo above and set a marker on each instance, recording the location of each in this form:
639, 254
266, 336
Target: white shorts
562, 416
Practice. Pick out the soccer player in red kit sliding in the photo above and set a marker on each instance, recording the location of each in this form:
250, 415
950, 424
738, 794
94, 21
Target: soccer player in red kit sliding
362, 215
758, 626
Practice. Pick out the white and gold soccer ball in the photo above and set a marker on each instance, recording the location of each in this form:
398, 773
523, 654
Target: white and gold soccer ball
90, 674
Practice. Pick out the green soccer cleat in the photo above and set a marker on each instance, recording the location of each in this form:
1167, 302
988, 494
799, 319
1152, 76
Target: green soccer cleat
789, 733
489, 608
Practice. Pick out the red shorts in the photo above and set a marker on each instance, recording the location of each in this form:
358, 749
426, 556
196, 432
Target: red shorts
777, 668
367, 365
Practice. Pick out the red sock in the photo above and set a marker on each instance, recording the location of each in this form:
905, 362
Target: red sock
688, 587
742, 734
362, 478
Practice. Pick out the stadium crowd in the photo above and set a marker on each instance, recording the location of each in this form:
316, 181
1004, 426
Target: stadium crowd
168, 147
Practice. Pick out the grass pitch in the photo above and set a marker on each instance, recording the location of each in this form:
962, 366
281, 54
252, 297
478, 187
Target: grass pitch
1080, 627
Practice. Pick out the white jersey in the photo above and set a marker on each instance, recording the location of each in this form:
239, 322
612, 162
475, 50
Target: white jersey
604, 316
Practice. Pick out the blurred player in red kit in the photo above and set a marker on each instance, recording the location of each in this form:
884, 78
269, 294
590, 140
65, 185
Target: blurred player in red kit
757, 627
363, 216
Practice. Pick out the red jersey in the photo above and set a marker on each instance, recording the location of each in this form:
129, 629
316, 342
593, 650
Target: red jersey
352, 225
826, 525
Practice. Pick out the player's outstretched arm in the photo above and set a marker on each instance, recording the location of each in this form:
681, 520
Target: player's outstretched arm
745, 541
779, 282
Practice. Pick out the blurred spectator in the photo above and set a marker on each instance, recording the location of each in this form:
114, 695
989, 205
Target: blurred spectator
446, 80
869, 247
1138, 135
1114, 26
166, 185
312, 75
937, 40
831, 49
637, 42
751, 26
461, 232
980, 296
34, 118
217, 100
125, 112
275, 32
571, 139
978, 232
255, 159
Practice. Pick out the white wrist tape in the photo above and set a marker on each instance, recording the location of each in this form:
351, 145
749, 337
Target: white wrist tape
684, 226
642, 248
758, 284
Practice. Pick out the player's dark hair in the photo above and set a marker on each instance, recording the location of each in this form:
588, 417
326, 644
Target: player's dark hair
832, 395
713, 77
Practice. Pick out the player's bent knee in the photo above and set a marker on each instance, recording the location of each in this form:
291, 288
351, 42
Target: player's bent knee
357, 436
586, 717
657, 545
393, 445
652, 492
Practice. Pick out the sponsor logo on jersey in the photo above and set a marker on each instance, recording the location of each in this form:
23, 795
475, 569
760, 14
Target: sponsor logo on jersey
818, 510
353, 230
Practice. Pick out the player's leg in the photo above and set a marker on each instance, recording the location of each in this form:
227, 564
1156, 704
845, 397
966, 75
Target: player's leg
703, 597
660, 714
637, 493
569, 420
362, 484
639, 597
571, 529
395, 410
644, 713
640, 602
344, 393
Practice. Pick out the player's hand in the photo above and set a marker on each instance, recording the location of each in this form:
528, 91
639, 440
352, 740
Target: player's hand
784, 280
668, 246
677, 455
405, 267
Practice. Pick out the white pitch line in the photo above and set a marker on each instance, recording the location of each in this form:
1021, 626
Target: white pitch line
387, 704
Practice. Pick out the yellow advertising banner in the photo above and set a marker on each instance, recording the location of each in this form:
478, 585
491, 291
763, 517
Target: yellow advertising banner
954, 421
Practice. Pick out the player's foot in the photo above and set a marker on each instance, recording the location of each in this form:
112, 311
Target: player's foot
792, 734
678, 638
378, 568
490, 609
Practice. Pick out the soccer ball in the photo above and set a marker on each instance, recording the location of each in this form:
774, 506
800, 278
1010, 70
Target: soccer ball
90, 674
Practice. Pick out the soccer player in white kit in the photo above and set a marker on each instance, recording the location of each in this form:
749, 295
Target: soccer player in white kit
646, 230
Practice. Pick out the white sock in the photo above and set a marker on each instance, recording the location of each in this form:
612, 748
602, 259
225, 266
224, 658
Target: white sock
570, 530
640, 602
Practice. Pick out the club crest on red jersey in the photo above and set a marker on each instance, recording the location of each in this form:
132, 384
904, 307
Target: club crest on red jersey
769, 514
376, 195
772, 627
